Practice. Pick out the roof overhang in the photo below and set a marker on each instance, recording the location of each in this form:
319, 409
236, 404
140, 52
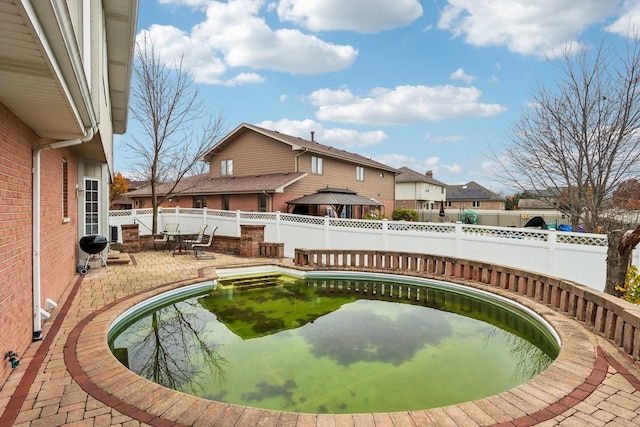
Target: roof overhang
42, 77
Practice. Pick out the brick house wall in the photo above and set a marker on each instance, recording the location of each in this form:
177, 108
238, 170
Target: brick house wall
59, 241
484, 204
15, 236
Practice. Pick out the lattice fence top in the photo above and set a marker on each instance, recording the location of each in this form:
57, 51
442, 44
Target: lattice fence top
510, 233
299, 219
361, 225
582, 239
120, 213
421, 227
258, 215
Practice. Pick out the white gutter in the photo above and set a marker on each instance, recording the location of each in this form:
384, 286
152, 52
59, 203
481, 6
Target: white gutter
38, 311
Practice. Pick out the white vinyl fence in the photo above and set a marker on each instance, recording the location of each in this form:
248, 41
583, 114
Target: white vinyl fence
579, 257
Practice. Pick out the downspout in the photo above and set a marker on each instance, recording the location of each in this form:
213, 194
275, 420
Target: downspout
295, 161
38, 311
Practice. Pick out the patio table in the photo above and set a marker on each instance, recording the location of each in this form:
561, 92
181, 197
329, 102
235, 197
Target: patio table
178, 240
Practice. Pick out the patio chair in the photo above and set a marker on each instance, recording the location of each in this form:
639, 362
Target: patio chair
166, 239
189, 242
203, 247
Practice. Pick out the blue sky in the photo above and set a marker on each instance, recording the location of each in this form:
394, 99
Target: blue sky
431, 85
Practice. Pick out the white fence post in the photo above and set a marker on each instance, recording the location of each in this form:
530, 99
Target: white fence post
326, 233
385, 234
458, 238
238, 232
278, 240
552, 240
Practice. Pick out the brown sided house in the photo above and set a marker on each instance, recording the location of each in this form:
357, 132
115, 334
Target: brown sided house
256, 169
65, 78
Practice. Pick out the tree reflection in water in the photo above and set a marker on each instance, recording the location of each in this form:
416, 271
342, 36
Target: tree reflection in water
174, 347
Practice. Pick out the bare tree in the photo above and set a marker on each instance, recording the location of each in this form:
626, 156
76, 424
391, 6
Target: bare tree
175, 128
580, 140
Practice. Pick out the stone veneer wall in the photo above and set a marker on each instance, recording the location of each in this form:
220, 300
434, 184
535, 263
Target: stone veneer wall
615, 319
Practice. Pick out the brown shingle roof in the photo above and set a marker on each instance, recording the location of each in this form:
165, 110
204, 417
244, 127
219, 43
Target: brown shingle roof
470, 191
203, 184
297, 143
409, 175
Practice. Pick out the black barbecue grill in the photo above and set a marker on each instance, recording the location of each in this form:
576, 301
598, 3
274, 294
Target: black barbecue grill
92, 244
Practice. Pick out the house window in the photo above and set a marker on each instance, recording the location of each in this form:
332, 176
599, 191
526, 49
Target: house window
199, 202
65, 191
449, 204
359, 173
226, 167
475, 204
441, 190
426, 187
225, 202
91, 206
262, 202
316, 165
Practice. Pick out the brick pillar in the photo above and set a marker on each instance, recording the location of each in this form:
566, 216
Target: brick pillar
130, 238
250, 238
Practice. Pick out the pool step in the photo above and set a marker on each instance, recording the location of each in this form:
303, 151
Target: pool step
249, 283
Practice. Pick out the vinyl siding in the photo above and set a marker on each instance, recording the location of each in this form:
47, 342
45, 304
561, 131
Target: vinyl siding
255, 154
340, 174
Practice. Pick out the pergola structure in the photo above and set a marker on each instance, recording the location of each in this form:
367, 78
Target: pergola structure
335, 202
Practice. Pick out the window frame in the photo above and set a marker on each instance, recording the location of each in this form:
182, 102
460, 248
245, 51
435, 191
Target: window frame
91, 190
226, 167
317, 165
262, 202
359, 173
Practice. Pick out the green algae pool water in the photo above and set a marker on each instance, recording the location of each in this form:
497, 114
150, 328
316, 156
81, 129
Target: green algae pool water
336, 345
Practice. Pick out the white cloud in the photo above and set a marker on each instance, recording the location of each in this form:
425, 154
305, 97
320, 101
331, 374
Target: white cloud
244, 78
523, 26
364, 16
438, 139
629, 21
198, 58
234, 35
402, 105
459, 74
347, 139
433, 164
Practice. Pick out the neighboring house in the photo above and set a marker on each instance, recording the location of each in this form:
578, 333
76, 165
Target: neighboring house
473, 196
536, 204
417, 191
65, 76
256, 169
124, 202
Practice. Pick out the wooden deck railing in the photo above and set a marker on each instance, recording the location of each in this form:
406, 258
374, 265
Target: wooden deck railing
613, 318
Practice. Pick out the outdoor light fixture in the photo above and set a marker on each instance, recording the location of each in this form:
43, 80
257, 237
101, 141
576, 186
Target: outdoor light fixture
79, 190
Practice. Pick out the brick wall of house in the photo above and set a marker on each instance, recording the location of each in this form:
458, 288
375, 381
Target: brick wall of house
484, 204
15, 236
59, 240
58, 237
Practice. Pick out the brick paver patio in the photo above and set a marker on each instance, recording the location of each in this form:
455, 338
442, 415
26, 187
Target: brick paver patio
70, 378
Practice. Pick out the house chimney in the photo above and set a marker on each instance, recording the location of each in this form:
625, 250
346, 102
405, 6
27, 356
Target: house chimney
429, 174
312, 134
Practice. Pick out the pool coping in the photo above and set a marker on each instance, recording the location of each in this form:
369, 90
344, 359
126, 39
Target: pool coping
577, 371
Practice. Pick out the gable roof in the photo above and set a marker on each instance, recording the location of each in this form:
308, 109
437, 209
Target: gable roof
334, 196
470, 191
297, 144
204, 185
409, 175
